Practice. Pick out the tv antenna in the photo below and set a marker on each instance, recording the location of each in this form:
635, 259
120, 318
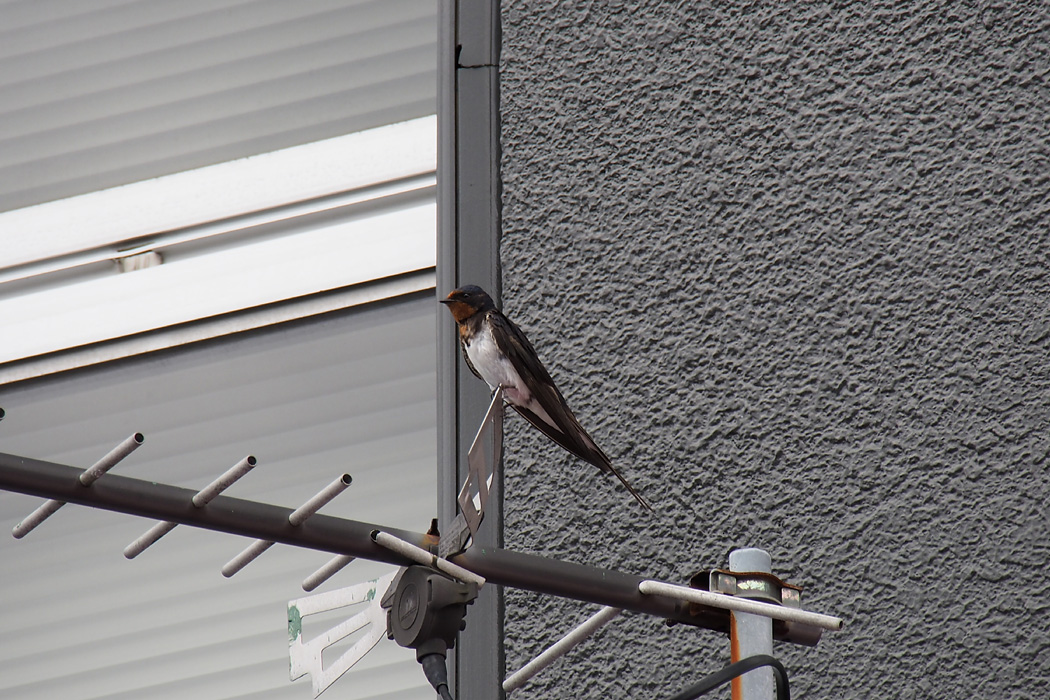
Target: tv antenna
425, 602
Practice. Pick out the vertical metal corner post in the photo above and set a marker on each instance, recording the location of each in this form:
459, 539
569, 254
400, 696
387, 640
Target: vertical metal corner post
468, 252
751, 635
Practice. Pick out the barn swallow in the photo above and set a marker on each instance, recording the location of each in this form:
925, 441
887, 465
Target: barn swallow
498, 353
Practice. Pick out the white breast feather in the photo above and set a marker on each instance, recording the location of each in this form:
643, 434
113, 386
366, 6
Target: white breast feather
497, 370
494, 368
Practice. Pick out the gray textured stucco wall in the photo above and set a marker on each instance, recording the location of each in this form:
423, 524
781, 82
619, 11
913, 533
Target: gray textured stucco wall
789, 262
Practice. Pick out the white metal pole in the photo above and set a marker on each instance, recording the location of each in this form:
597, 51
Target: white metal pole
334, 565
732, 602
422, 556
560, 648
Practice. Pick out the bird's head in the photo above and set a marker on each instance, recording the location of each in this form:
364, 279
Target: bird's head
467, 301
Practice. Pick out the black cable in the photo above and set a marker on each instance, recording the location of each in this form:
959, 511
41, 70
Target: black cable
437, 673
739, 668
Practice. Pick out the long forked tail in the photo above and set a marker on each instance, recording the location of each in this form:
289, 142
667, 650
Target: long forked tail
578, 442
637, 496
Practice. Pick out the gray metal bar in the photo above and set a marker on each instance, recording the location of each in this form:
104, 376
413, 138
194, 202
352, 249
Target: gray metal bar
350, 537
479, 33
224, 514
468, 252
750, 634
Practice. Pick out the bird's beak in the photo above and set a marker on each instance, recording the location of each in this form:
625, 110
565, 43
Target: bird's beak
445, 301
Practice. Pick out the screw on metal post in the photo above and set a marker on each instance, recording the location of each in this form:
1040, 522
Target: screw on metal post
200, 499
295, 518
86, 478
759, 585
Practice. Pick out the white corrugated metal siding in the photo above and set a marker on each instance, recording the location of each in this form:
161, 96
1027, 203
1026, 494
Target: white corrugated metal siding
352, 391
99, 93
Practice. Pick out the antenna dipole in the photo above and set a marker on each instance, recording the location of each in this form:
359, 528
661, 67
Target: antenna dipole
346, 537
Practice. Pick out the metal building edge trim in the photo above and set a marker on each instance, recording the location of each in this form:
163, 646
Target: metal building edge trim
372, 291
